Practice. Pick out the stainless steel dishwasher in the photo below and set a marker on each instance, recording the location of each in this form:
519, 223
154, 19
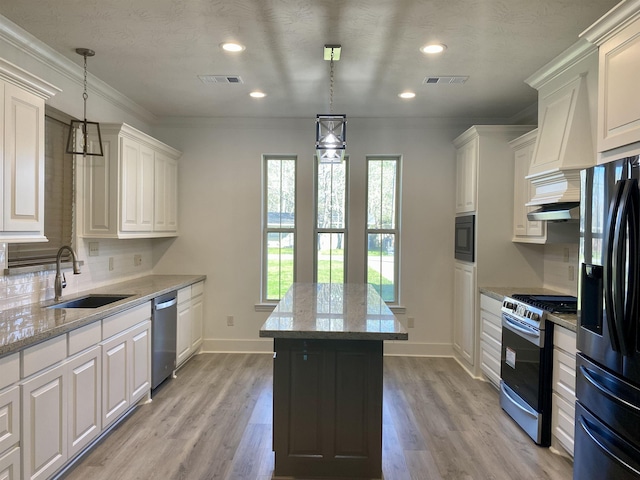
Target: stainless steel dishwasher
163, 337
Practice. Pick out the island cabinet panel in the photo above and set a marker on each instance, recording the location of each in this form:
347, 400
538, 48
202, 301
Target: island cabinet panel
328, 407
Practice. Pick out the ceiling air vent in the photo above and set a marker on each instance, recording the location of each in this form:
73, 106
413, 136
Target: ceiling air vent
445, 80
228, 79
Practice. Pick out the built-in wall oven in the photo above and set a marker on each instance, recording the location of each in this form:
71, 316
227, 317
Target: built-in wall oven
465, 236
526, 361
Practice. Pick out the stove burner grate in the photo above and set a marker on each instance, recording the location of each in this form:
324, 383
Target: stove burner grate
550, 303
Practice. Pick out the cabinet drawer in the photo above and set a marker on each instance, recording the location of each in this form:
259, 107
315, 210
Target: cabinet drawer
565, 339
563, 423
491, 305
184, 294
10, 368
564, 375
10, 465
9, 418
44, 355
84, 337
120, 322
197, 289
490, 362
490, 329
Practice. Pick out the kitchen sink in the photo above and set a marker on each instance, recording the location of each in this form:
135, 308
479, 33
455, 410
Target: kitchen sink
91, 301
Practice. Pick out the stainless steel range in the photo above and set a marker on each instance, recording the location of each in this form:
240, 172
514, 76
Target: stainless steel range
526, 363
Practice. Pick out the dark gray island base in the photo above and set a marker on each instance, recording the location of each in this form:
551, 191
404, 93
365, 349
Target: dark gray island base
327, 380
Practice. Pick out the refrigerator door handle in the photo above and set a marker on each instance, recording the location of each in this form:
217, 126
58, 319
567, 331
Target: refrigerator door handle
600, 442
598, 382
613, 252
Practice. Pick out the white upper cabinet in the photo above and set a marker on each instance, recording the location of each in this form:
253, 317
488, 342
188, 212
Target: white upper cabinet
467, 176
22, 98
524, 231
618, 36
131, 192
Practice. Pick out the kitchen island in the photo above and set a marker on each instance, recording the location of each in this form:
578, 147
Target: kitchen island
327, 380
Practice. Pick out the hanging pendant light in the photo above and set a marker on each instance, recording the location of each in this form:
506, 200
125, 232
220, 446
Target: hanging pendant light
331, 129
84, 136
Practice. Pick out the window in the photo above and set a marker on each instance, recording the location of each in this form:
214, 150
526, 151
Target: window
279, 221
58, 204
331, 222
383, 194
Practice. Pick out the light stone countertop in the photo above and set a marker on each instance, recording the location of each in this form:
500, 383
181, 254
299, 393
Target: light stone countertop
333, 311
568, 321
31, 324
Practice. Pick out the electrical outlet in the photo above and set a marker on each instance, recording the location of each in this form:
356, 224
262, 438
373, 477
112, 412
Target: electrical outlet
94, 249
572, 272
110, 264
229, 320
411, 322
137, 260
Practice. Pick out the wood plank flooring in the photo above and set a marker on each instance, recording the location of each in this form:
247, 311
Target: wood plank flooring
214, 422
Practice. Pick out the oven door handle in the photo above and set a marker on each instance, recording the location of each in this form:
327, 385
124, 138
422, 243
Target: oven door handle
529, 411
517, 328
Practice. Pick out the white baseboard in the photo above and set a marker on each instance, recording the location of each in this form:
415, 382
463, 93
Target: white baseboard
265, 345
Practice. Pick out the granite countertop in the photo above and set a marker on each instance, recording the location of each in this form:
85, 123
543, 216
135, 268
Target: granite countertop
568, 321
25, 326
333, 311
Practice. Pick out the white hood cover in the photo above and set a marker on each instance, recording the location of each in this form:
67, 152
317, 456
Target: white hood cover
564, 145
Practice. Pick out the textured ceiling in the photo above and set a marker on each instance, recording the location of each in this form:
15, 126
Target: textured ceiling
153, 51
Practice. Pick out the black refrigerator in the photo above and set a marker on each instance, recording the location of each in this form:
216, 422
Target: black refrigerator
607, 421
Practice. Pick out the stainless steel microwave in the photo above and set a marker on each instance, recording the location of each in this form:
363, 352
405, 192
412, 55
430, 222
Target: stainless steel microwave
465, 238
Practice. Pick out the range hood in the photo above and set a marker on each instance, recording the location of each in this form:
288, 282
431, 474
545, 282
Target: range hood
564, 145
559, 212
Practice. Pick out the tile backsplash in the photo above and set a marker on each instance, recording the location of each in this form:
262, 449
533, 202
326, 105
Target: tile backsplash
561, 268
23, 289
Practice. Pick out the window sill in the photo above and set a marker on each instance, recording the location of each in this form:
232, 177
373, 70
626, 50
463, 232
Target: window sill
269, 307
38, 268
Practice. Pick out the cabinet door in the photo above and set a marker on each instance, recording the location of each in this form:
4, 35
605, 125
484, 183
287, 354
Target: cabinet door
10, 465
9, 418
85, 399
166, 194
197, 317
140, 368
115, 378
466, 176
23, 198
146, 189
101, 191
464, 311
183, 347
44, 423
618, 93
129, 181
522, 192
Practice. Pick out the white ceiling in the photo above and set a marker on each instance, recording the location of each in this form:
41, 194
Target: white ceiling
153, 51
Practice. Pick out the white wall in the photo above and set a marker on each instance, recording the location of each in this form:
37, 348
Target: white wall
220, 218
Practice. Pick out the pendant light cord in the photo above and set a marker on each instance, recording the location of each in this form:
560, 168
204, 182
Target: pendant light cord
331, 84
84, 95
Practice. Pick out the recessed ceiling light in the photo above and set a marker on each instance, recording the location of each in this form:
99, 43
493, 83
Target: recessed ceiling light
407, 95
257, 94
433, 48
232, 47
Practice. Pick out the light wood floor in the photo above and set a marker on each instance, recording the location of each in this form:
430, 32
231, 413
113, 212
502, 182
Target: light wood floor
214, 422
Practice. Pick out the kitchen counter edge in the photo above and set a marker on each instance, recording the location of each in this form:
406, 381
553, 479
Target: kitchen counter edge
142, 290
569, 322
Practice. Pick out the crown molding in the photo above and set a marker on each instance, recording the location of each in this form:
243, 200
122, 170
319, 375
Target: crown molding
567, 59
612, 22
30, 45
18, 76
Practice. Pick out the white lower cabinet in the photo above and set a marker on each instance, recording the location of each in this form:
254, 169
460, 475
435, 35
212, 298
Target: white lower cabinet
564, 388
464, 311
44, 423
85, 399
126, 371
9, 418
190, 321
490, 338
10, 465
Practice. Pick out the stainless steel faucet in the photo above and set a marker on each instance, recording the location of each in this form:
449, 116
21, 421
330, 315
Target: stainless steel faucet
61, 281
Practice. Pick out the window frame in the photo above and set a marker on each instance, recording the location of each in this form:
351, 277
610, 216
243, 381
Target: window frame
391, 231
266, 230
344, 230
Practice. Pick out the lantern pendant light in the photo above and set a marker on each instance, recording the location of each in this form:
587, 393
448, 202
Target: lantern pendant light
84, 136
331, 129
